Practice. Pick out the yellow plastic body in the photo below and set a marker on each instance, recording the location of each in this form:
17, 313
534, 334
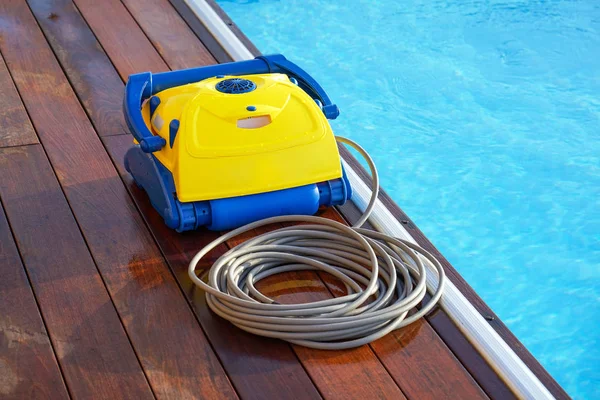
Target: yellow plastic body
212, 157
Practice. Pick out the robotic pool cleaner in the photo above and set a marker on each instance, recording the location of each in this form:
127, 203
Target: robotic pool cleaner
230, 144
247, 144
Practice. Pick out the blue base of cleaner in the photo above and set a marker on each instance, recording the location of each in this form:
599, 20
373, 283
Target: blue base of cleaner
229, 213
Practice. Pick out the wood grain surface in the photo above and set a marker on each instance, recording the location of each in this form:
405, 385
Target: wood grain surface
15, 127
91, 345
28, 366
92, 74
169, 34
128, 47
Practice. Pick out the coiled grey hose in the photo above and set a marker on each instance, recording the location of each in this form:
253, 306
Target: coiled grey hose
390, 269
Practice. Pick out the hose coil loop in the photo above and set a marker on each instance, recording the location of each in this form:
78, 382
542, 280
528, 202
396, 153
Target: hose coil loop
385, 279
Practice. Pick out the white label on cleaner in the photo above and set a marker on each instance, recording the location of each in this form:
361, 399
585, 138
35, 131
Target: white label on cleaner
158, 122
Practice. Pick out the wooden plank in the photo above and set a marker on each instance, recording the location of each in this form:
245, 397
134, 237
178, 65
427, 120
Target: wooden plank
477, 366
259, 368
15, 127
174, 40
349, 374
200, 30
205, 36
156, 316
448, 331
122, 39
28, 367
91, 346
97, 83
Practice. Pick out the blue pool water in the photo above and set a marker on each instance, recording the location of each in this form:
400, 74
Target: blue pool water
484, 119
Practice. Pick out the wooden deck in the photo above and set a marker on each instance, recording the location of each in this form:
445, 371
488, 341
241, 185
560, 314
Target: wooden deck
95, 301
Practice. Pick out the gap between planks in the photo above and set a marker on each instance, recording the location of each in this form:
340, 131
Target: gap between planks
24, 342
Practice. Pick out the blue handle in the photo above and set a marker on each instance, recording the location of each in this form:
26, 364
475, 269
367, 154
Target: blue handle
138, 88
278, 63
143, 85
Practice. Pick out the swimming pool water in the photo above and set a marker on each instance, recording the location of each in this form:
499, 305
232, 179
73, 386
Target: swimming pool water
484, 119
